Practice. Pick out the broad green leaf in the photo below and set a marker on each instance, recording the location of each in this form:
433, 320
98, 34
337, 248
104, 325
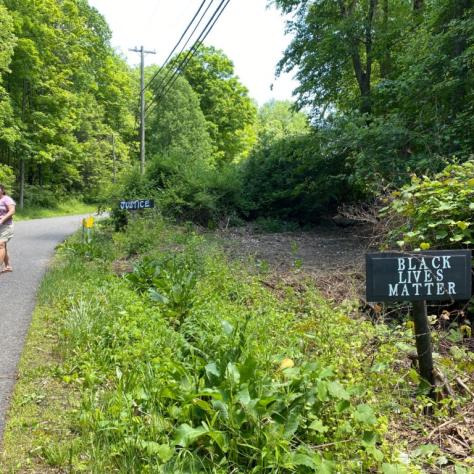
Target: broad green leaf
158, 297
220, 439
247, 369
228, 328
185, 435
463, 225
243, 396
165, 452
232, 373
211, 369
292, 424
317, 425
322, 389
365, 414
342, 405
300, 459
203, 405
425, 450
394, 469
264, 402
326, 372
338, 391
369, 439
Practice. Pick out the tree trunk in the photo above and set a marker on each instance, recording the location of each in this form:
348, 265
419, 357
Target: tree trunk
363, 80
22, 182
22, 159
386, 59
366, 77
363, 73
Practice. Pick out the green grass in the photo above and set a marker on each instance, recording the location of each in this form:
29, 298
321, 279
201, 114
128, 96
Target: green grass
190, 364
39, 419
70, 207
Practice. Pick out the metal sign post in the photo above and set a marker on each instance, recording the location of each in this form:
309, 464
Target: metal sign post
420, 276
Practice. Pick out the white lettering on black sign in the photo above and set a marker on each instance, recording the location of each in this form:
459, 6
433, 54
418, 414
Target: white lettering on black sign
137, 204
436, 275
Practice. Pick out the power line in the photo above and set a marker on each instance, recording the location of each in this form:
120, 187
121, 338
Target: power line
181, 39
185, 61
169, 67
195, 47
189, 55
142, 75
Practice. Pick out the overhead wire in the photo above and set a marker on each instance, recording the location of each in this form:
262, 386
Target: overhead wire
189, 55
175, 47
195, 47
165, 63
172, 68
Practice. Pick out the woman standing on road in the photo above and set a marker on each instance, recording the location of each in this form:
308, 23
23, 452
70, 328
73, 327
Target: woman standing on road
7, 209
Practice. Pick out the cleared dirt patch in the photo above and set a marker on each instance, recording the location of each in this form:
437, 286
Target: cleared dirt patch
333, 257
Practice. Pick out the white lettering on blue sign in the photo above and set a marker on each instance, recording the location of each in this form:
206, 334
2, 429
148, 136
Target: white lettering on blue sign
136, 204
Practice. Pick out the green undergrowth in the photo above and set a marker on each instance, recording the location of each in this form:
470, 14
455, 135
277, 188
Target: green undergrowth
162, 356
65, 208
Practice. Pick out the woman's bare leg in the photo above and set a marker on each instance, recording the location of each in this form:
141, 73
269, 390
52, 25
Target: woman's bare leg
3, 252
6, 259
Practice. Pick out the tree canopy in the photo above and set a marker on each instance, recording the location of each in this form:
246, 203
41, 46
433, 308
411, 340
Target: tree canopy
178, 125
277, 120
69, 94
341, 48
224, 100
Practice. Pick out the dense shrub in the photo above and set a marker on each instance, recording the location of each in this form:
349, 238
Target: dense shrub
437, 212
292, 179
44, 196
192, 190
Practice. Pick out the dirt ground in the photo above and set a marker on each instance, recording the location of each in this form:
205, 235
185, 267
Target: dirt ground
333, 257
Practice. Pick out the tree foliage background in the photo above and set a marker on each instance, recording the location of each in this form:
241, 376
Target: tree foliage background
64, 94
386, 90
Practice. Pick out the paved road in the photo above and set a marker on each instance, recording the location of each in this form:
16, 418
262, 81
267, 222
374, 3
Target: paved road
31, 249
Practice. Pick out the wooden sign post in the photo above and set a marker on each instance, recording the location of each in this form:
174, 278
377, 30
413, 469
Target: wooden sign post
419, 276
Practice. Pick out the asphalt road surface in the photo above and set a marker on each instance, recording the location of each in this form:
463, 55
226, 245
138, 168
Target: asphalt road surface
30, 251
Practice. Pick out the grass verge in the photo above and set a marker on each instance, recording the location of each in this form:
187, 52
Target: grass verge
189, 364
70, 207
39, 416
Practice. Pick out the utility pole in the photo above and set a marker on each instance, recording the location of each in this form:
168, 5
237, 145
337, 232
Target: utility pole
142, 104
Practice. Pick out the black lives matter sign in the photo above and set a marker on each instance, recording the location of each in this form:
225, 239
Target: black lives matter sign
427, 275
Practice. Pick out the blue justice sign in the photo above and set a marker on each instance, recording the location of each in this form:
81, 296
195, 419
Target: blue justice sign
137, 204
427, 275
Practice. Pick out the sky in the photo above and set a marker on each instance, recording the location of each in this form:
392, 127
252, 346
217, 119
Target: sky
250, 34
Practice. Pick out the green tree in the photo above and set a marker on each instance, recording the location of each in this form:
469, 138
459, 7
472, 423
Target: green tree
7, 43
277, 120
434, 92
70, 93
177, 125
340, 47
230, 113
